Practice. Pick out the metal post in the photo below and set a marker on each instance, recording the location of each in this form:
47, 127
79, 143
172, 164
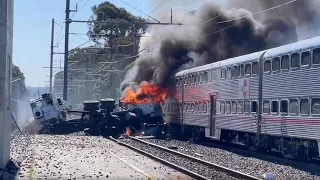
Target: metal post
134, 39
260, 98
51, 54
18, 98
171, 15
66, 52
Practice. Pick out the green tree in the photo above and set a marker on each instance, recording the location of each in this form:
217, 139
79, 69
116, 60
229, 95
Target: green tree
16, 73
119, 32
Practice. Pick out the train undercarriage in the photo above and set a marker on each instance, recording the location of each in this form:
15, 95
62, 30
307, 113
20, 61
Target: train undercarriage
291, 148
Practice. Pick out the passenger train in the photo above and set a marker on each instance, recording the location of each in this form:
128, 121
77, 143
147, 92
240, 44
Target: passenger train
269, 98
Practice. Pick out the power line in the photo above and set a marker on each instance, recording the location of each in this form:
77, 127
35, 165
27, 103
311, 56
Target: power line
220, 22
79, 8
87, 41
158, 6
195, 4
112, 25
222, 28
139, 10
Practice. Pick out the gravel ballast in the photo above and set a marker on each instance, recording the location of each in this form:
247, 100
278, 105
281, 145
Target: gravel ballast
198, 168
249, 165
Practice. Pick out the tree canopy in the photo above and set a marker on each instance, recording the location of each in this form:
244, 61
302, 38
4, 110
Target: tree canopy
16, 73
97, 72
118, 30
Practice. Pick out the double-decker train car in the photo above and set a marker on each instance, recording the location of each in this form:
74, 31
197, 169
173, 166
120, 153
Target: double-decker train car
270, 98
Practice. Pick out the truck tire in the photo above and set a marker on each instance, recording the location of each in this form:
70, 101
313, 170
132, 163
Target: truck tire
91, 105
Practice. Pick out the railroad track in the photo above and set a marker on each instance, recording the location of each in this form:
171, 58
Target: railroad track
210, 170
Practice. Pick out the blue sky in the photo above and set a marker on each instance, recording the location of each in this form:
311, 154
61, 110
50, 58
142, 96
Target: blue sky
32, 32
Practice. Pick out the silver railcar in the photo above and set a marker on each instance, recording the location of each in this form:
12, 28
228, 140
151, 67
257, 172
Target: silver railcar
270, 97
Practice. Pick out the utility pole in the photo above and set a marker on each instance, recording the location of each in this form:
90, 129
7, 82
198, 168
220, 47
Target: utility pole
51, 55
134, 38
66, 52
171, 15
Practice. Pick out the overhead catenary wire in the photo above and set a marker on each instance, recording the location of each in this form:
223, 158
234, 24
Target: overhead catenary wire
148, 15
269, 9
126, 16
210, 20
114, 24
210, 34
195, 4
157, 7
79, 8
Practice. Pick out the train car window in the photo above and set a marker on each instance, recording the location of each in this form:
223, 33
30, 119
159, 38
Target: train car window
240, 107
254, 107
228, 72
241, 70
228, 107
195, 78
223, 73
200, 107
294, 107
186, 81
284, 107
247, 106
276, 64
185, 107
192, 107
205, 107
181, 82
295, 60
198, 78
267, 66
196, 107
234, 72
222, 107
304, 107
316, 56
247, 69
255, 68
177, 82
234, 107
274, 107
189, 80
305, 58
266, 107
205, 77
192, 79
315, 106
201, 78
189, 107
285, 62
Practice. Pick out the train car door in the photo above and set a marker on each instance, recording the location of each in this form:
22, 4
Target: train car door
212, 114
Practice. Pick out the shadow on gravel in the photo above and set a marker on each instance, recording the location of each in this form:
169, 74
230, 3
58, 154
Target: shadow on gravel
313, 169
10, 172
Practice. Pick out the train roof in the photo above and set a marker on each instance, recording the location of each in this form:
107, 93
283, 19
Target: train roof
227, 62
293, 47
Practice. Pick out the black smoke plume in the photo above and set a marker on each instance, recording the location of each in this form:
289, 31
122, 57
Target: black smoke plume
208, 36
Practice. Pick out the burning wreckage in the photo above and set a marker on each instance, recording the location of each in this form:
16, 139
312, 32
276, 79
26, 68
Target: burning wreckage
138, 112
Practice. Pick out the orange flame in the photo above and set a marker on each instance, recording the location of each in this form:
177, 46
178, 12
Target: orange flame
128, 131
143, 94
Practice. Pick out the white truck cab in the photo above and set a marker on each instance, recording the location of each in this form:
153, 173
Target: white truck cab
45, 108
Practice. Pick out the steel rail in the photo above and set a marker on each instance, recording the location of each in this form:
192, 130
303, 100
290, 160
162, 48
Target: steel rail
163, 161
229, 171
